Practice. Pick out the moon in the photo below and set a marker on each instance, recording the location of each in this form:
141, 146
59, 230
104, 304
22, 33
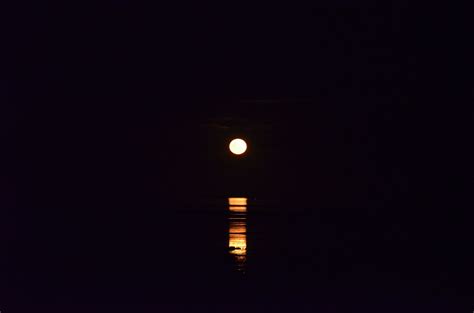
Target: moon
238, 146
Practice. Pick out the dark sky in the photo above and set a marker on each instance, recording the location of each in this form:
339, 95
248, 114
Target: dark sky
133, 103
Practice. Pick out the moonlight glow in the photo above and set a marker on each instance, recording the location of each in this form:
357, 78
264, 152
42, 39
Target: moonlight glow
237, 146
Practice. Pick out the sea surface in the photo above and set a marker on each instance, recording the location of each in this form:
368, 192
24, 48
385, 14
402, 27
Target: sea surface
239, 254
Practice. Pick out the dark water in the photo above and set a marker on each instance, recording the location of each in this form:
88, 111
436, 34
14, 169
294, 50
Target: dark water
240, 257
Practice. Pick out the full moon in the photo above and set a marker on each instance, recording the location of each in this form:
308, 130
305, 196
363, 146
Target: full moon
237, 146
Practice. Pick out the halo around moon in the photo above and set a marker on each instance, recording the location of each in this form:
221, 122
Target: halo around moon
238, 146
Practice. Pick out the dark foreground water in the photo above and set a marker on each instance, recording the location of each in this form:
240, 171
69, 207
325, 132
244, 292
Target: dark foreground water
233, 257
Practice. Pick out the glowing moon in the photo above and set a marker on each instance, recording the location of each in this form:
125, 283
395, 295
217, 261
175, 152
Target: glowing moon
238, 146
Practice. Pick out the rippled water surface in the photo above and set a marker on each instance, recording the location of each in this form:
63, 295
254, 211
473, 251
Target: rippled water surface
239, 252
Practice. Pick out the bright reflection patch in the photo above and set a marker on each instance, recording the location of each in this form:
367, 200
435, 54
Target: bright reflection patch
238, 209
238, 201
238, 146
238, 231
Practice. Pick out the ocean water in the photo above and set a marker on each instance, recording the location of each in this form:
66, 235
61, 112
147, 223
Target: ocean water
239, 254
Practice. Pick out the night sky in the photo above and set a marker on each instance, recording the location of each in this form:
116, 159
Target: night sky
131, 105
361, 105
